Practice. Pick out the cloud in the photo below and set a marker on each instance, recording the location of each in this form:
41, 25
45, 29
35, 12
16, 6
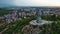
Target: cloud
30, 2
37, 2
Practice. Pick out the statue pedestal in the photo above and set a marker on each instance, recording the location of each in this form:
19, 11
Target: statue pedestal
39, 28
33, 22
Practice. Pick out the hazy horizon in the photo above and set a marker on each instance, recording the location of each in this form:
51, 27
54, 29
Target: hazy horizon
8, 3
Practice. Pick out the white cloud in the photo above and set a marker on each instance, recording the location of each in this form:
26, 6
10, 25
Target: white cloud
37, 2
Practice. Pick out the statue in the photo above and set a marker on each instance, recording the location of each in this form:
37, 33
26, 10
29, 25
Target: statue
39, 13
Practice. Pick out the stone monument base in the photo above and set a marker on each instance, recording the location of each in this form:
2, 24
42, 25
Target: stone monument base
33, 22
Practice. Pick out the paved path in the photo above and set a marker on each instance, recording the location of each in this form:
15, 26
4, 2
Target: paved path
3, 30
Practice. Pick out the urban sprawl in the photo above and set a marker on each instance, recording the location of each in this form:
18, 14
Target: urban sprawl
19, 13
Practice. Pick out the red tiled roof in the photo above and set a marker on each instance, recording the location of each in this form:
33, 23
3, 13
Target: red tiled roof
1, 16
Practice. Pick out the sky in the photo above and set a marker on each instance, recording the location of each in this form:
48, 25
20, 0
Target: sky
29, 3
